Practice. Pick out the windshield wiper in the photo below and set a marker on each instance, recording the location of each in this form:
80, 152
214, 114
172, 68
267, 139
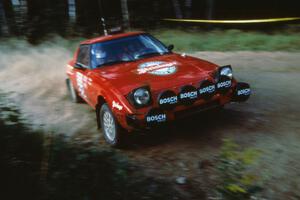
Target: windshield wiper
148, 55
114, 62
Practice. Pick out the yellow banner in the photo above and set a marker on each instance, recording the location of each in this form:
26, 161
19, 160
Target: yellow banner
247, 21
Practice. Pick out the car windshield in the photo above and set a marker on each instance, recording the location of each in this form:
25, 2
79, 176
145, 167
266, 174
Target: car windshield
125, 49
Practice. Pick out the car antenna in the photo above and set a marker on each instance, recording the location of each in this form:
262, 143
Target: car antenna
104, 26
102, 17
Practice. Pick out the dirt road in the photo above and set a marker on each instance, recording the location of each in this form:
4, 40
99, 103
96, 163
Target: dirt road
34, 78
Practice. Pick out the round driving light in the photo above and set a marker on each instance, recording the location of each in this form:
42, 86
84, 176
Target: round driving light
188, 95
141, 96
207, 90
226, 71
224, 84
242, 92
167, 100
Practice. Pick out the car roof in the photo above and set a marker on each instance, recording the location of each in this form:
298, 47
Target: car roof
110, 37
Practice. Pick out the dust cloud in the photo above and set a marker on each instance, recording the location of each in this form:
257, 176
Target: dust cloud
34, 79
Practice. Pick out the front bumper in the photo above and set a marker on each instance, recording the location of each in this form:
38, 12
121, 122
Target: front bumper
155, 116
137, 122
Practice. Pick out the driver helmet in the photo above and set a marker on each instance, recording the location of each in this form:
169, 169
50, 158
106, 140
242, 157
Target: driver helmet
99, 53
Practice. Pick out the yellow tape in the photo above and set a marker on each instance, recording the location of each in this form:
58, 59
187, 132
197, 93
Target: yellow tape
249, 21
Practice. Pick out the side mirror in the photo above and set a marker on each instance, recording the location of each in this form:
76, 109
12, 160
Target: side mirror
78, 66
170, 47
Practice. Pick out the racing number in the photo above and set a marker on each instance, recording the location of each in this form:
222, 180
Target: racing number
82, 83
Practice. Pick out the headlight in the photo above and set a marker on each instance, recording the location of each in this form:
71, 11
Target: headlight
141, 96
226, 71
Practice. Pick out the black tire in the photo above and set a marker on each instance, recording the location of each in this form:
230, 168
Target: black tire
75, 98
115, 139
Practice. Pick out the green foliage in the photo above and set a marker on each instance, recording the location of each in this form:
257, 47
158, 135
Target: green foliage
230, 40
188, 41
234, 167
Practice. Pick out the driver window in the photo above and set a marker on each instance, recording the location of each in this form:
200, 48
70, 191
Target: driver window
84, 56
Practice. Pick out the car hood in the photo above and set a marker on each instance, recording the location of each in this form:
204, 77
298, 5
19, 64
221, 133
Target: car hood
159, 72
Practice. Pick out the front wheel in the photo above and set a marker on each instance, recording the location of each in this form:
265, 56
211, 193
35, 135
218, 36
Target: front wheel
112, 131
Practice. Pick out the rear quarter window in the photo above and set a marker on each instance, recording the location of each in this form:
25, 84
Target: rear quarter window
84, 55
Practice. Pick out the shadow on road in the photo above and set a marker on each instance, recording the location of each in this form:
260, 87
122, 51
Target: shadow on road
207, 126
36, 165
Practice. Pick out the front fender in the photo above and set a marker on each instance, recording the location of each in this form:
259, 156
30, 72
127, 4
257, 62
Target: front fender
116, 101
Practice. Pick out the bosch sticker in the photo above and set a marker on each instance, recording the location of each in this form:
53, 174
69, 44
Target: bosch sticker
188, 95
157, 118
224, 84
168, 99
242, 92
246, 91
157, 68
208, 89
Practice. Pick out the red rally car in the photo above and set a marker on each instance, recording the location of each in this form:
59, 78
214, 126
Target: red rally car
135, 82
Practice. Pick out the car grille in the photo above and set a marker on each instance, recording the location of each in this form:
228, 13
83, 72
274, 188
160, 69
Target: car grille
194, 110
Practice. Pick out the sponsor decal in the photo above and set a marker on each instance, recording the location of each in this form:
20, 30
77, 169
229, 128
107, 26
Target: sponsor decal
156, 118
224, 84
89, 81
157, 68
117, 105
208, 89
244, 92
188, 95
168, 100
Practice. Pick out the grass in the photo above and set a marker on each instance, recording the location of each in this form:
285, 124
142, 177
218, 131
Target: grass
190, 41
229, 40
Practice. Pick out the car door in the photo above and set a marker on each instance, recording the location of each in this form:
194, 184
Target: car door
82, 72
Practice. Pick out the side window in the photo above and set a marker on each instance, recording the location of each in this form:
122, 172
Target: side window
84, 55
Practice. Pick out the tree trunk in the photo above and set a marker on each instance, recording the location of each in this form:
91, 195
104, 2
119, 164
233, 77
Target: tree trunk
3, 21
177, 9
188, 7
72, 11
125, 14
210, 9
20, 11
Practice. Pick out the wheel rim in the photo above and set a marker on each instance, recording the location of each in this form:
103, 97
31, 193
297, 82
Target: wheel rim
109, 126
